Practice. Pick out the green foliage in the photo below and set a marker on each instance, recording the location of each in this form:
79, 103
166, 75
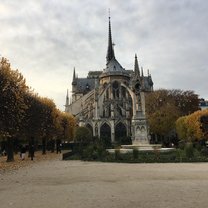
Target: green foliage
181, 145
204, 151
117, 154
198, 147
106, 141
83, 135
89, 153
135, 153
94, 152
189, 150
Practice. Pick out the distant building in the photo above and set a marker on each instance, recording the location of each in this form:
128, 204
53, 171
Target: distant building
203, 104
111, 102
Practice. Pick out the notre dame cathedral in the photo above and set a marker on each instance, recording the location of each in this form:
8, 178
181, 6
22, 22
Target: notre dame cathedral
111, 102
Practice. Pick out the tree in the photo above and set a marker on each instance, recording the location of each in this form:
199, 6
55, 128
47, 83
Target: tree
164, 107
12, 104
204, 124
161, 113
32, 123
193, 127
83, 135
181, 127
186, 101
25, 114
41, 119
66, 126
189, 128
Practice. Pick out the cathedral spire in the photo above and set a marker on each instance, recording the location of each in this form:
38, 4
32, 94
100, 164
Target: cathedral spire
136, 67
67, 98
110, 51
142, 72
74, 78
74, 75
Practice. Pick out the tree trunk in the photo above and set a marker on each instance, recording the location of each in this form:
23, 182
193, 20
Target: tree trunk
31, 148
10, 149
52, 145
44, 146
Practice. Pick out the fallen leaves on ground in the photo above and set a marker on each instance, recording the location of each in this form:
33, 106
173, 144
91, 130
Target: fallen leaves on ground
19, 163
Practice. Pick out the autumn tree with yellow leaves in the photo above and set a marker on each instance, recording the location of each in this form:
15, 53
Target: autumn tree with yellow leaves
12, 104
189, 127
24, 114
164, 107
67, 125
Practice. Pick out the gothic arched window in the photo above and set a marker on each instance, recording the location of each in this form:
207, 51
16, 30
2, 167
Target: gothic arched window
115, 86
120, 131
105, 131
123, 92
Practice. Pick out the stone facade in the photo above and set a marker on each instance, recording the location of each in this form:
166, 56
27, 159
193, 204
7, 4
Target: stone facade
111, 103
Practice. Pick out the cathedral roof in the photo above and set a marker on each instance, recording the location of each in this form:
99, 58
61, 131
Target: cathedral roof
85, 84
113, 65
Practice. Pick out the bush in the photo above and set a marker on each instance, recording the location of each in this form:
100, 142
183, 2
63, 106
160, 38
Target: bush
117, 154
135, 153
106, 141
198, 146
189, 150
125, 141
204, 151
88, 153
95, 140
83, 135
181, 145
101, 152
94, 152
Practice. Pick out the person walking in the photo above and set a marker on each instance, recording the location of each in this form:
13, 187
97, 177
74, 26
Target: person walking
58, 146
31, 148
23, 151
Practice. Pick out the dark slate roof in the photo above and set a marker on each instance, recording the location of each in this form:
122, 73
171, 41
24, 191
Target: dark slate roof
94, 74
85, 84
113, 65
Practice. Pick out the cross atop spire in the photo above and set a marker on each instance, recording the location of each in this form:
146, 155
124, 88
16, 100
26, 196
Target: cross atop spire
110, 51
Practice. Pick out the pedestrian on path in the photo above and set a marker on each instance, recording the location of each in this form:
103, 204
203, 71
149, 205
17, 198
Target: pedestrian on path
23, 151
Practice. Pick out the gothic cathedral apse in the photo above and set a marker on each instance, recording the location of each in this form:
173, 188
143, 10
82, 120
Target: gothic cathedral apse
111, 102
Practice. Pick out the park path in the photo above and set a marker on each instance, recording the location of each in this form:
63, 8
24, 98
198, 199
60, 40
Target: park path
76, 184
18, 163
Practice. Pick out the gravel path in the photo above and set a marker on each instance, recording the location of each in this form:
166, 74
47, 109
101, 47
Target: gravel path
76, 184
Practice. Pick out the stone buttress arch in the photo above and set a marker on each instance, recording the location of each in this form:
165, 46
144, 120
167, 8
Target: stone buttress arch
133, 97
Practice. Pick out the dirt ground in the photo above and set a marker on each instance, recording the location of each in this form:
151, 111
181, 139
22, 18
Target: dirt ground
18, 163
76, 184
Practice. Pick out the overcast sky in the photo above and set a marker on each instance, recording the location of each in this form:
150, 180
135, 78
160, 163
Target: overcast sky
45, 39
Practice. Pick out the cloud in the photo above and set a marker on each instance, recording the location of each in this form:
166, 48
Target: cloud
46, 39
